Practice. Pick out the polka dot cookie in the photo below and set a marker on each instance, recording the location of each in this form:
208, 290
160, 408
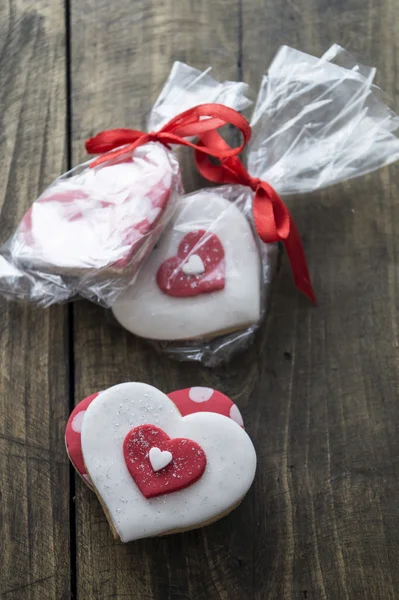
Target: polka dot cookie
155, 470
203, 399
73, 436
188, 401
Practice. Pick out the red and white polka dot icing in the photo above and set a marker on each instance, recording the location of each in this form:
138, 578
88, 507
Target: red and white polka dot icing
208, 461
204, 399
99, 218
188, 401
200, 394
73, 435
77, 422
235, 414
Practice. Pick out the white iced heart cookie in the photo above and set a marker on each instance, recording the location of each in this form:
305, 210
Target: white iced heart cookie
208, 462
203, 278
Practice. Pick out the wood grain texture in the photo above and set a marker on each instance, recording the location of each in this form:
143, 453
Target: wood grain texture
328, 379
34, 471
318, 389
120, 60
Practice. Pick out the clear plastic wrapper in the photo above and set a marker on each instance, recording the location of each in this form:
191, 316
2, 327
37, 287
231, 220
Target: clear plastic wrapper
93, 227
317, 121
91, 230
187, 87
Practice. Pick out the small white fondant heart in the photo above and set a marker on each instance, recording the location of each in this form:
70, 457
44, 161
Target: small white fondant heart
194, 265
159, 459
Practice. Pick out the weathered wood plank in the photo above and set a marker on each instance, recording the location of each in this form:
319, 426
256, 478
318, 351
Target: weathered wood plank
318, 390
120, 60
34, 471
326, 398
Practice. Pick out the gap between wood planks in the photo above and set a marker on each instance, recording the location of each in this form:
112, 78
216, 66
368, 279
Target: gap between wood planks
71, 354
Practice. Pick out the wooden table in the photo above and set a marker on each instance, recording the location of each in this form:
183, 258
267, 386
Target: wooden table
318, 391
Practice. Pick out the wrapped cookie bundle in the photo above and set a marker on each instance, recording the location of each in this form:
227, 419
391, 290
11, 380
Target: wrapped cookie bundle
192, 273
91, 230
202, 292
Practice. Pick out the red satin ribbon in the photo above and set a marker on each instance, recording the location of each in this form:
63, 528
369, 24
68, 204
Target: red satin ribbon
272, 218
273, 221
196, 121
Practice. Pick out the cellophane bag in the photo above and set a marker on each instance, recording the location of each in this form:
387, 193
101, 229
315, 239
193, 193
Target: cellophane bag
316, 122
91, 230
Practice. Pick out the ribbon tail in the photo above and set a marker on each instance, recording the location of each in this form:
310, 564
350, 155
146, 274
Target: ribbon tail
297, 258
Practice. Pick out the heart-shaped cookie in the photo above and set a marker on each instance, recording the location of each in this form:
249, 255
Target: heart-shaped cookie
211, 484
99, 219
188, 401
168, 303
197, 269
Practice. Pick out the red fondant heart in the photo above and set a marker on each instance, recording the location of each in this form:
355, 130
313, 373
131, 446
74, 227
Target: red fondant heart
187, 465
171, 278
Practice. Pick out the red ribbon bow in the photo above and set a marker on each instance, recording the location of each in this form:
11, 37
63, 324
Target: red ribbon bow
196, 121
273, 221
272, 218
